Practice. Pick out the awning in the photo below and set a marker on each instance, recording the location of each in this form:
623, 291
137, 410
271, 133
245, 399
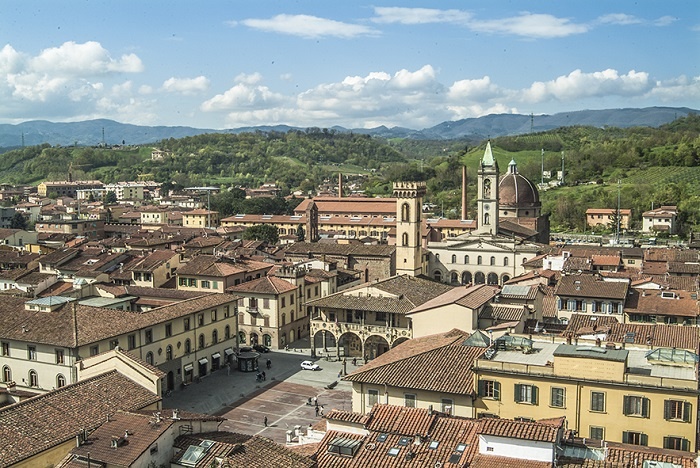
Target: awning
228, 351
189, 367
204, 361
215, 356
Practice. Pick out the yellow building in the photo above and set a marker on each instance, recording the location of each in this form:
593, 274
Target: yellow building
605, 217
200, 218
632, 396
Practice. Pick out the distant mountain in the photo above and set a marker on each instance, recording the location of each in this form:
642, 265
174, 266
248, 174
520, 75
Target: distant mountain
94, 132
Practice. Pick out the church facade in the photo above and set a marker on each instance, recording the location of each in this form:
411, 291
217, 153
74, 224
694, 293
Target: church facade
510, 231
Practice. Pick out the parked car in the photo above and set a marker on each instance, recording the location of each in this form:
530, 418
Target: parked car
261, 348
309, 365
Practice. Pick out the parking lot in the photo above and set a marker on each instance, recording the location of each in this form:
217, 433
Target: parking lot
282, 397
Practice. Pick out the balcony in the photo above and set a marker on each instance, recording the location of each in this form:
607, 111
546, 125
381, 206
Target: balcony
364, 330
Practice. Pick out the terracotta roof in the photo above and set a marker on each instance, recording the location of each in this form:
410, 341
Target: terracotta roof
404, 294
661, 335
57, 416
681, 304
242, 450
471, 297
491, 461
582, 324
503, 312
591, 286
606, 260
265, 285
519, 430
682, 268
76, 325
210, 265
153, 260
417, 371
321, 248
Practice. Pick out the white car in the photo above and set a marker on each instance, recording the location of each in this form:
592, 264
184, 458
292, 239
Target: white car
308, 365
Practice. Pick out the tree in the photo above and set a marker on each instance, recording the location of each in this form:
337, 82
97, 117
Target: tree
110, 198
301, 234
262, 232
18, 221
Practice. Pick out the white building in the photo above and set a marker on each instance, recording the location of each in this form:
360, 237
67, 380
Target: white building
663, 219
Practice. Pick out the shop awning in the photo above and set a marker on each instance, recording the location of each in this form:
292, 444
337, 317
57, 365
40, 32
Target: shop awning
215, 356
204, 361
188, 367
228, 351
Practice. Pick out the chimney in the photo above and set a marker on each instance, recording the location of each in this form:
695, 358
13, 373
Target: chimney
464, 192
417, 440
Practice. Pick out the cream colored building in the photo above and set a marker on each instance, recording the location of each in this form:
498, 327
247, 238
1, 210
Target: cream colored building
200, 218
605, 217
185, 340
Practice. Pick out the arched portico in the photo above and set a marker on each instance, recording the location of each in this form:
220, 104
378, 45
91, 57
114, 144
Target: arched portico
350, 340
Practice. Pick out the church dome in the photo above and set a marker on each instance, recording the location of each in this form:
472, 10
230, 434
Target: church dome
516, 191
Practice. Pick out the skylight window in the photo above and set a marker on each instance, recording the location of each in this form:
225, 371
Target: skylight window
393, 452
382, 437
404, 441
434, 444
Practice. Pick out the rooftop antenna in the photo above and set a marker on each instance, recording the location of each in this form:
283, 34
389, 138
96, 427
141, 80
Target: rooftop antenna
103, 136
562, 168
542, 182
22, 139
532, 122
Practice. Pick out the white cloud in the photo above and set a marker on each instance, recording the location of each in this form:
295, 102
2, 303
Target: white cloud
248, 78
474, 90
187, 86
90, 58
577, 85
419, 15
531, 25
680, 89
664, 21
246, 94
309, 27
619, 18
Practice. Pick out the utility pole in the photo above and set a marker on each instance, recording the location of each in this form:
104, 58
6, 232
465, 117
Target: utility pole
542, 171
562, 168
532, 122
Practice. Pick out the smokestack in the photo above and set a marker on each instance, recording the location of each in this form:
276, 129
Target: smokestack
340, 185
464, 192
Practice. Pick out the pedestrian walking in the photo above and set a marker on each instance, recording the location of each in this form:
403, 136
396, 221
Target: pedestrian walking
315, 401
265, 421
340, 373
321, 411
228, 368
354, 361
263, 374
269, 363
316, 410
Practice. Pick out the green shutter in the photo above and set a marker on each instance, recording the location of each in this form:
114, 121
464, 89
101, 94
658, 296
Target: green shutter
534, 395
644, 440
687, 416
481, 388
667, 409
625, 437
626, 405
518, 388
645, 407
497, 390
685, 445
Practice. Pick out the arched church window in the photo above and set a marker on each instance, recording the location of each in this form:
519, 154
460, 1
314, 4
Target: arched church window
404, 239
487, 219
493, 261
405, 212
487, 188
466, 259
454, 258
505, 261
478, 260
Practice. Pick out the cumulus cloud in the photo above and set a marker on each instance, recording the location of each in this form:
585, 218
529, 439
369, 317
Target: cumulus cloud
90, 58
480, 89
188, 86
619, 18
245, 94
309, 27
577, 85
419, 15
664, 21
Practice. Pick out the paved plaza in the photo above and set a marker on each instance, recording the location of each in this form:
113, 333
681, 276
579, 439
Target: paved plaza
282, 397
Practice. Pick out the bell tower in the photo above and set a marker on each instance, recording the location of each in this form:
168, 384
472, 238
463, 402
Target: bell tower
409, 206
487, 198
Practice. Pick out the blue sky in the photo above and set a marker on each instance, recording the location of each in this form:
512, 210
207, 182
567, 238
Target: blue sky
226, 64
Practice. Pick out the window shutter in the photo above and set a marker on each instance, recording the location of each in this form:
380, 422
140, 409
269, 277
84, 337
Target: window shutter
534, 395
625, 437
644, 440
686, 412
667, 442
685, 445
626, 405
482, 392
667, 409
497, 390
518, 388
645, 407
559, 304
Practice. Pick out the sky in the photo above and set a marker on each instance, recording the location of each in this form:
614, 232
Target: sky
227, 64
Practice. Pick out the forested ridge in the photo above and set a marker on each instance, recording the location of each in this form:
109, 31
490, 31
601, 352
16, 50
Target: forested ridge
654, 165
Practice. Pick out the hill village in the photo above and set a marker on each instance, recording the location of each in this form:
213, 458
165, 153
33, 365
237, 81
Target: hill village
468, 342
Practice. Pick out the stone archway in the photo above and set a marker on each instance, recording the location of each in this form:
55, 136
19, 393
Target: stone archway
323, 341
454, 277
398, 341
375, 345
467, 277
505, 279
349, 345
479, 278
492, 278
